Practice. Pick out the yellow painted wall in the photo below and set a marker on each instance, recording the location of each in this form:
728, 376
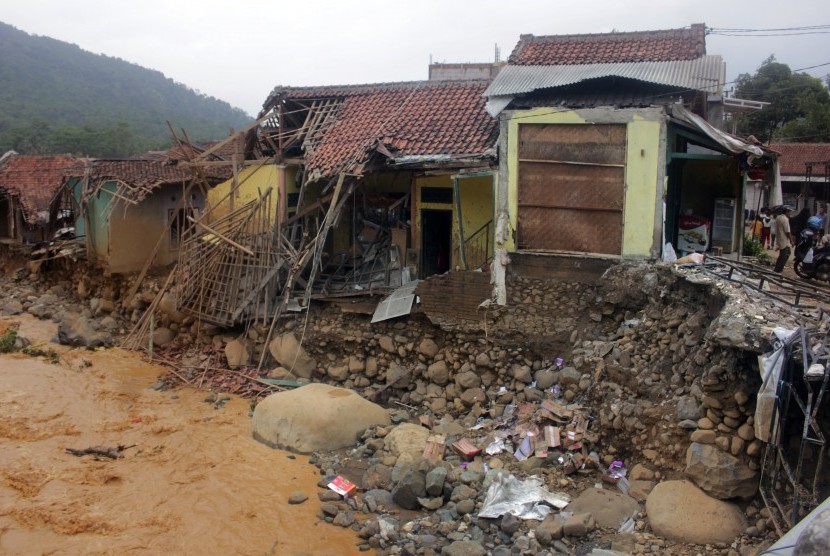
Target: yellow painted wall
641, 176
641, 187
477, 206
252, 180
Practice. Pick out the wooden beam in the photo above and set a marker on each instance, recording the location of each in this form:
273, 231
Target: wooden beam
223, 238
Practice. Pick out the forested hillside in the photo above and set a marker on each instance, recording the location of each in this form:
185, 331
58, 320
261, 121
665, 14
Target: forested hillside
57, 98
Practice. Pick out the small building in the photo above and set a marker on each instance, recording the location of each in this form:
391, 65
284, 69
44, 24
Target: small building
28, 185
418, 159
805, 174
607, 150
132, 212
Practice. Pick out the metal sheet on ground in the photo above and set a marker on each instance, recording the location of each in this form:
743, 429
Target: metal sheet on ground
397, 304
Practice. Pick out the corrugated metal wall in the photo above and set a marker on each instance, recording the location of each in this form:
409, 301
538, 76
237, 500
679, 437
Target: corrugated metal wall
571, 187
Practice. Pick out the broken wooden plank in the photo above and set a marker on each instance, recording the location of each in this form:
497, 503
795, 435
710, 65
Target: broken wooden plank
220, 236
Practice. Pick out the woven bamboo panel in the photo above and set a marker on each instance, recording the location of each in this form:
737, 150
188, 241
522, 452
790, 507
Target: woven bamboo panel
599, 144
544, 229
594, 187
571, 207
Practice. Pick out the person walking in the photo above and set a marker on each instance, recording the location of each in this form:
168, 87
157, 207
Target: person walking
766, 221
783, 237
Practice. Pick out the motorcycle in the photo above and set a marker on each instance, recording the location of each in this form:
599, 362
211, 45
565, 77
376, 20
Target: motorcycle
812, 262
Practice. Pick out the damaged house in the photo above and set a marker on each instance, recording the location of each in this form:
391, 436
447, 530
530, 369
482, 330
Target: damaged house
607, 150
28, 185
419, 161
134, 212
344, 191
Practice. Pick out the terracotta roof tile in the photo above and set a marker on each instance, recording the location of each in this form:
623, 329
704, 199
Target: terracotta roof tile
34, 180
794, 157
142, 176
410, 118
639, 46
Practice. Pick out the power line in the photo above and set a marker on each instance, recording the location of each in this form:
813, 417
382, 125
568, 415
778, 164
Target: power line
796, 34
739, 30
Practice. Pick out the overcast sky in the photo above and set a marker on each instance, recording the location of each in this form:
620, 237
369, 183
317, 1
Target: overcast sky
239, 50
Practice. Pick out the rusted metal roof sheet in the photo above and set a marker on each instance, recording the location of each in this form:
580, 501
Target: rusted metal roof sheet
706, 73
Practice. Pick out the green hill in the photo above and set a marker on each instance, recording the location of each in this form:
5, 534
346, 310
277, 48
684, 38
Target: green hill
57, 98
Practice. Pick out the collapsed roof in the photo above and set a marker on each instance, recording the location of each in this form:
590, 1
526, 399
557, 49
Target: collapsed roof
138, 178
33, 180
339, 128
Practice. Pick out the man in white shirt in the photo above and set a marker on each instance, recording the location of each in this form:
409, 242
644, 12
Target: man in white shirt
783, 238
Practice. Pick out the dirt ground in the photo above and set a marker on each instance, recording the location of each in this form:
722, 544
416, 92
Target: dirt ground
194, 483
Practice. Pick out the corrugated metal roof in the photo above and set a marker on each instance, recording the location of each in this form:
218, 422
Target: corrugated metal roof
706, 73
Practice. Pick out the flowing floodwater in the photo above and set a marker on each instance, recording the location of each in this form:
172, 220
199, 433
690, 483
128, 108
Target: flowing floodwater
194, 483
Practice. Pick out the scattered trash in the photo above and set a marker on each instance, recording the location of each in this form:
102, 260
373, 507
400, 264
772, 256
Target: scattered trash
526, 448
434, 449
466, 449
525, 499
343, 487
496, 447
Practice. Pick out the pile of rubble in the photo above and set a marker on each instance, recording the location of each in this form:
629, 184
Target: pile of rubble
646, 377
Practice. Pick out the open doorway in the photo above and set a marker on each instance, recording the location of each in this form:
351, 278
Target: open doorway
436, 241
5, 220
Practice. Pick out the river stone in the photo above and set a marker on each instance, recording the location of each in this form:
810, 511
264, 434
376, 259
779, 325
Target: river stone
297, 497
687, 408
407, 438
463, 548
568, 376
609, 508
439, 373
161, 336
290, 354
546, 378
815, 538
237, 354
680, 511
79, 331
428, 348
720, 474
168, 306
315, 418
579, 524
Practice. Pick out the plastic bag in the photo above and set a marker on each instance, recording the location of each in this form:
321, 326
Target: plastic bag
808, 258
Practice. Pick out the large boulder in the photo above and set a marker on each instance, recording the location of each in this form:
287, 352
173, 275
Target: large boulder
315, 417
720, 474
80, 331
609, 508
290, 354
680, 511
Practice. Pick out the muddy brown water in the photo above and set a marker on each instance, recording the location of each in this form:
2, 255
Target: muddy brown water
195, 483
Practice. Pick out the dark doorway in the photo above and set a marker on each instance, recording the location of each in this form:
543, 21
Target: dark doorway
436, 236
5, 221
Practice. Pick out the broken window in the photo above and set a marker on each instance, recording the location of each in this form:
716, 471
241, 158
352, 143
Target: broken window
179, 223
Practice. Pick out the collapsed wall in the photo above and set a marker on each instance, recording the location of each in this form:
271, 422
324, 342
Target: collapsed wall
666, 361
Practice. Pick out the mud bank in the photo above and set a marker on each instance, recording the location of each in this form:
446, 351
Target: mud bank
195, 481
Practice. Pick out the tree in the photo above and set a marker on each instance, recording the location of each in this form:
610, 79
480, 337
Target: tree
799, 107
